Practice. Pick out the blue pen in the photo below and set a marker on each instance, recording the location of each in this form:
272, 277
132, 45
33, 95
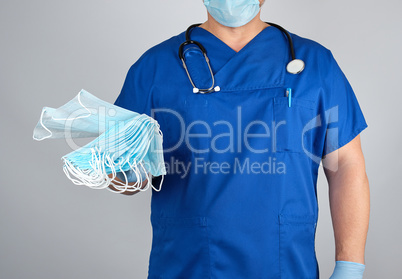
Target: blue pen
289, 95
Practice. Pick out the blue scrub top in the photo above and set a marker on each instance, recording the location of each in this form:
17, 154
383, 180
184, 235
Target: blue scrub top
240, 196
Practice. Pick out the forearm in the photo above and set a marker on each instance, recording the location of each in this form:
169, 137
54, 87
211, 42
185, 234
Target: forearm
350, 208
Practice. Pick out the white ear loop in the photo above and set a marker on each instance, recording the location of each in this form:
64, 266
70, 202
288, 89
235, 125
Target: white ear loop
43, 126
78, 117
96, 177
54, 118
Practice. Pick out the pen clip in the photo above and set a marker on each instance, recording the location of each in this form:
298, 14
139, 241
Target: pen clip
289, 96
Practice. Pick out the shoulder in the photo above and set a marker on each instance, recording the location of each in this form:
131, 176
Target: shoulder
161, 53
319, 59
312, 51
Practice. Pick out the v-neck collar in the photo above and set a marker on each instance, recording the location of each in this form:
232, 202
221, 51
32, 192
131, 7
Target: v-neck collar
255, 38
260, 63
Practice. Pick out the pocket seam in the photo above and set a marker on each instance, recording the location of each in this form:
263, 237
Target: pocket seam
305, 103
201, 103
287, 221
304, 107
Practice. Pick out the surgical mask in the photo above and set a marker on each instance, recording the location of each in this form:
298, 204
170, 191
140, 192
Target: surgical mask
233, 13
126, 142
132, 176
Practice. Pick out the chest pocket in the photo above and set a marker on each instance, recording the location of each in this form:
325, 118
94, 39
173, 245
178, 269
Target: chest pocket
289, 133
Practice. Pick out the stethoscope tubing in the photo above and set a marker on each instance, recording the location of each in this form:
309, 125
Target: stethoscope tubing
295, 66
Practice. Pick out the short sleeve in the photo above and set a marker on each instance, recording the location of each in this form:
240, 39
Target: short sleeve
343, 117
135, 93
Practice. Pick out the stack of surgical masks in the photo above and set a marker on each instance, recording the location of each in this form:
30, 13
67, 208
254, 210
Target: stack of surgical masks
125, 141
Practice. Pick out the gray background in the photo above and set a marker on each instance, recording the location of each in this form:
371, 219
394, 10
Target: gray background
51, 228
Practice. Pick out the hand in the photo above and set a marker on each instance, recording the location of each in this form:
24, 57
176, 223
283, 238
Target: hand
348, 270
131, 176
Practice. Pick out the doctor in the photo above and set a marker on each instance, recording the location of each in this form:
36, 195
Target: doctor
240, 196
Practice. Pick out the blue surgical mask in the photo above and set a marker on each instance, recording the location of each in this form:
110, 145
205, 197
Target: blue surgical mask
233, 13
126, 142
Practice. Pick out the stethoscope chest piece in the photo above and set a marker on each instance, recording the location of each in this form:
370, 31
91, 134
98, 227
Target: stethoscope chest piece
296, 66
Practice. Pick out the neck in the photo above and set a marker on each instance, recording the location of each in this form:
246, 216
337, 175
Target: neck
235, 37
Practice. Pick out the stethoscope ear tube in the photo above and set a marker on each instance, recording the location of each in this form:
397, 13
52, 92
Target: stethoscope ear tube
189, 29
295, 66
212, 88
189, 42
284, 31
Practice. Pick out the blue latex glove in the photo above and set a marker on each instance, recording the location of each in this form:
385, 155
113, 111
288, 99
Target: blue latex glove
348, 270
131, 177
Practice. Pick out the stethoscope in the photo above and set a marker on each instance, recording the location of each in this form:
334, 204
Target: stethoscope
295, 66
